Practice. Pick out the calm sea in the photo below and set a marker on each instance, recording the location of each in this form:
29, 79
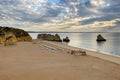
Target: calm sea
88, 41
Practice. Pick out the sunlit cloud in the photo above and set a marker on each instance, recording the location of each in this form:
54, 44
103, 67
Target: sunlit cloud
61, 15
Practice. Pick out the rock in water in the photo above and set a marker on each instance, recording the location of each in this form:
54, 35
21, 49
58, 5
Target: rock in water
10, 39
66, 39
20, 34
100, 38
49, 37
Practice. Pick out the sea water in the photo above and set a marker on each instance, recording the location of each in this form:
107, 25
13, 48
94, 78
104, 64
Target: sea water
88, 41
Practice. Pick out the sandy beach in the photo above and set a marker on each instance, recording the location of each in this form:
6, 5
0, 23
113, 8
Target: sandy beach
44, 60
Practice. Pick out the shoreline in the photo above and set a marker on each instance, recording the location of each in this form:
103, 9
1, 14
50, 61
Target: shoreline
108, 57
105, 47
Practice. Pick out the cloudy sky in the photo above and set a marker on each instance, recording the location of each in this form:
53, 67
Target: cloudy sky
61, 15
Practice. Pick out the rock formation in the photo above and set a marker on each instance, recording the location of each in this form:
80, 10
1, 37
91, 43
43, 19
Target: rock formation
10, 39
57, 38
49, 37
100, 38
2, 38
66, 39
20, 34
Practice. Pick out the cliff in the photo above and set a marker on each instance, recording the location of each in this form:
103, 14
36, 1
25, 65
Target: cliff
20, 35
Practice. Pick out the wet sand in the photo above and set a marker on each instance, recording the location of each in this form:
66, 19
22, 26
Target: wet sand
43, 60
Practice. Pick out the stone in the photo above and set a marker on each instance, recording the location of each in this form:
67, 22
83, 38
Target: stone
66, 39
100, 38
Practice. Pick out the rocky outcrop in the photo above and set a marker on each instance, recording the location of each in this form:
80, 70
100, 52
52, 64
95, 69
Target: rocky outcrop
100, 38
2, 38
49, 37
20, 34
66, 39
10, 39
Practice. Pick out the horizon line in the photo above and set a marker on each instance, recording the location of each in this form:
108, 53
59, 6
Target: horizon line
66, 32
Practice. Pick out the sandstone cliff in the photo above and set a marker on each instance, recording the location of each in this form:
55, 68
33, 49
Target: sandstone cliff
19, 34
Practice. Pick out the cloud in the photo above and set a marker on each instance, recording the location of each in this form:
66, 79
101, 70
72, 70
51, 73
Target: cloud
96, 12
24, 11
70, 15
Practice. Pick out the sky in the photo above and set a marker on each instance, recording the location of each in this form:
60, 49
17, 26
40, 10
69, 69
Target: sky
61, 15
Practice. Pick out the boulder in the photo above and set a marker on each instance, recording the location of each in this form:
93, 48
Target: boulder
66, 39
100, 38
20, 34
49, 37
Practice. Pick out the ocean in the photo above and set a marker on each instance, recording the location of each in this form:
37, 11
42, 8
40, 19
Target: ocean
88, 41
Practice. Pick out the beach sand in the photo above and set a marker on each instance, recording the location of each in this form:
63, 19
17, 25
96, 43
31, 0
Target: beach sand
44, 60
